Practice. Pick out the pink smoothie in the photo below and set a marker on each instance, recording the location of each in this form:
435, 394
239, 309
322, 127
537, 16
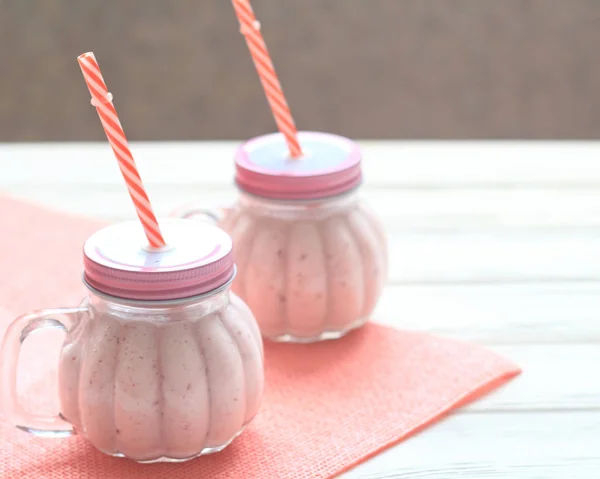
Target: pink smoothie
308, 277
171, 389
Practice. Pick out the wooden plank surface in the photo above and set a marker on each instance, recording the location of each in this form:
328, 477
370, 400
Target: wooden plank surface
447, 164
559, 445
494, 242
527, 313
403, 210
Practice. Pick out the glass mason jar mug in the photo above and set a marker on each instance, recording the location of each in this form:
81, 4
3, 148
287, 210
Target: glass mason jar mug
160, 362
311, 257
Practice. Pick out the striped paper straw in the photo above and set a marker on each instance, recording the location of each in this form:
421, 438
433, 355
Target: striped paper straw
102, 100
250, 28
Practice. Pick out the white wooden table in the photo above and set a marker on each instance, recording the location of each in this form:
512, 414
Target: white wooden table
491, 242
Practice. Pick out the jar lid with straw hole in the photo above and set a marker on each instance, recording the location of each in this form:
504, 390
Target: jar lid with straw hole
197, 259
329, 165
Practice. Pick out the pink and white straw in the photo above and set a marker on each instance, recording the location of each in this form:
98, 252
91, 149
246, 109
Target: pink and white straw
102, 100
250, 28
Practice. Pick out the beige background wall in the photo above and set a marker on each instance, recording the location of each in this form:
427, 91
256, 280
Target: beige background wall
179, 69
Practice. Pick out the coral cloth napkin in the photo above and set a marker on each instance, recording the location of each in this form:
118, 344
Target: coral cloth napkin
326, 408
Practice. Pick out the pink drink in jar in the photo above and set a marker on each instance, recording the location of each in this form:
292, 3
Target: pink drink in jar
311, 257
161, 362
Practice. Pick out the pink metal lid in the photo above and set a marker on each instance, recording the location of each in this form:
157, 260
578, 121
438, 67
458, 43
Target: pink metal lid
198, 258
330, 166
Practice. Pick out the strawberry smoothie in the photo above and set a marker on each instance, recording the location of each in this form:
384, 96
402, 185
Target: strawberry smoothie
161, 362
149, 391
308, 276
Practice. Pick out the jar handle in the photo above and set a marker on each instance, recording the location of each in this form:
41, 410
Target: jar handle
214, 215
54, 426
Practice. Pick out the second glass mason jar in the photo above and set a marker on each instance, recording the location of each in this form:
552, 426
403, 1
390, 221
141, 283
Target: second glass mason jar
311, 257
160, 362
